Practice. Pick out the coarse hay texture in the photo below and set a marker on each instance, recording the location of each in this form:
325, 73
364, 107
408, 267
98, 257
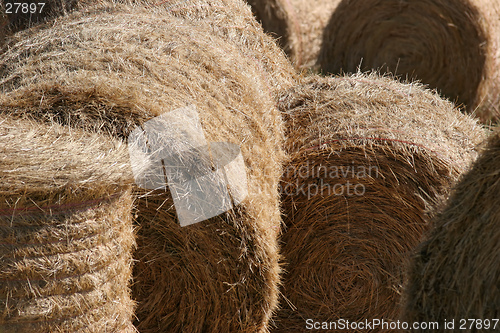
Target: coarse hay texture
312, 17
50, 162
298, 25
110, 70
369, 158
454, 273
68, 271
66, 232
449, 45
231, 20
274, 15
487, 102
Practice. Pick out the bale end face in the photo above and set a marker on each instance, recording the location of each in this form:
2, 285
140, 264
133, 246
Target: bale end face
448, 45
219, 275
350, 226
369, 160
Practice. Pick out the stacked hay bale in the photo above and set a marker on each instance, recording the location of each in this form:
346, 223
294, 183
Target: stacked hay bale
119, 65
450, 45
369, 157
230, 20
298, 24
455, 275
66, 233
218, 16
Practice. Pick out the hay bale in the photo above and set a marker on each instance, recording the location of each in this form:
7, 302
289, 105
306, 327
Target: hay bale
112, 70
231, 20
450, 45
454, 274
66, 232
369, 157
298, 24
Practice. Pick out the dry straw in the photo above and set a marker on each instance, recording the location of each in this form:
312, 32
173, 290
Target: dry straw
275, 17
455, 273
298, 24
66, 232
450, 45
115, 67
369, 157
228, 19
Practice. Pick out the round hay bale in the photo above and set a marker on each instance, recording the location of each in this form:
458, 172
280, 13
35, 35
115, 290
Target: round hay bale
454, 275
231, 20
298, 24
449, 45
110, 71
66, 232
369, 157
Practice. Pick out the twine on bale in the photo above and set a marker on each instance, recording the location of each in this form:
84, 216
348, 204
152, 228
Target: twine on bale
66, 231
454, 275
369, 159
451, 46
113, 70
